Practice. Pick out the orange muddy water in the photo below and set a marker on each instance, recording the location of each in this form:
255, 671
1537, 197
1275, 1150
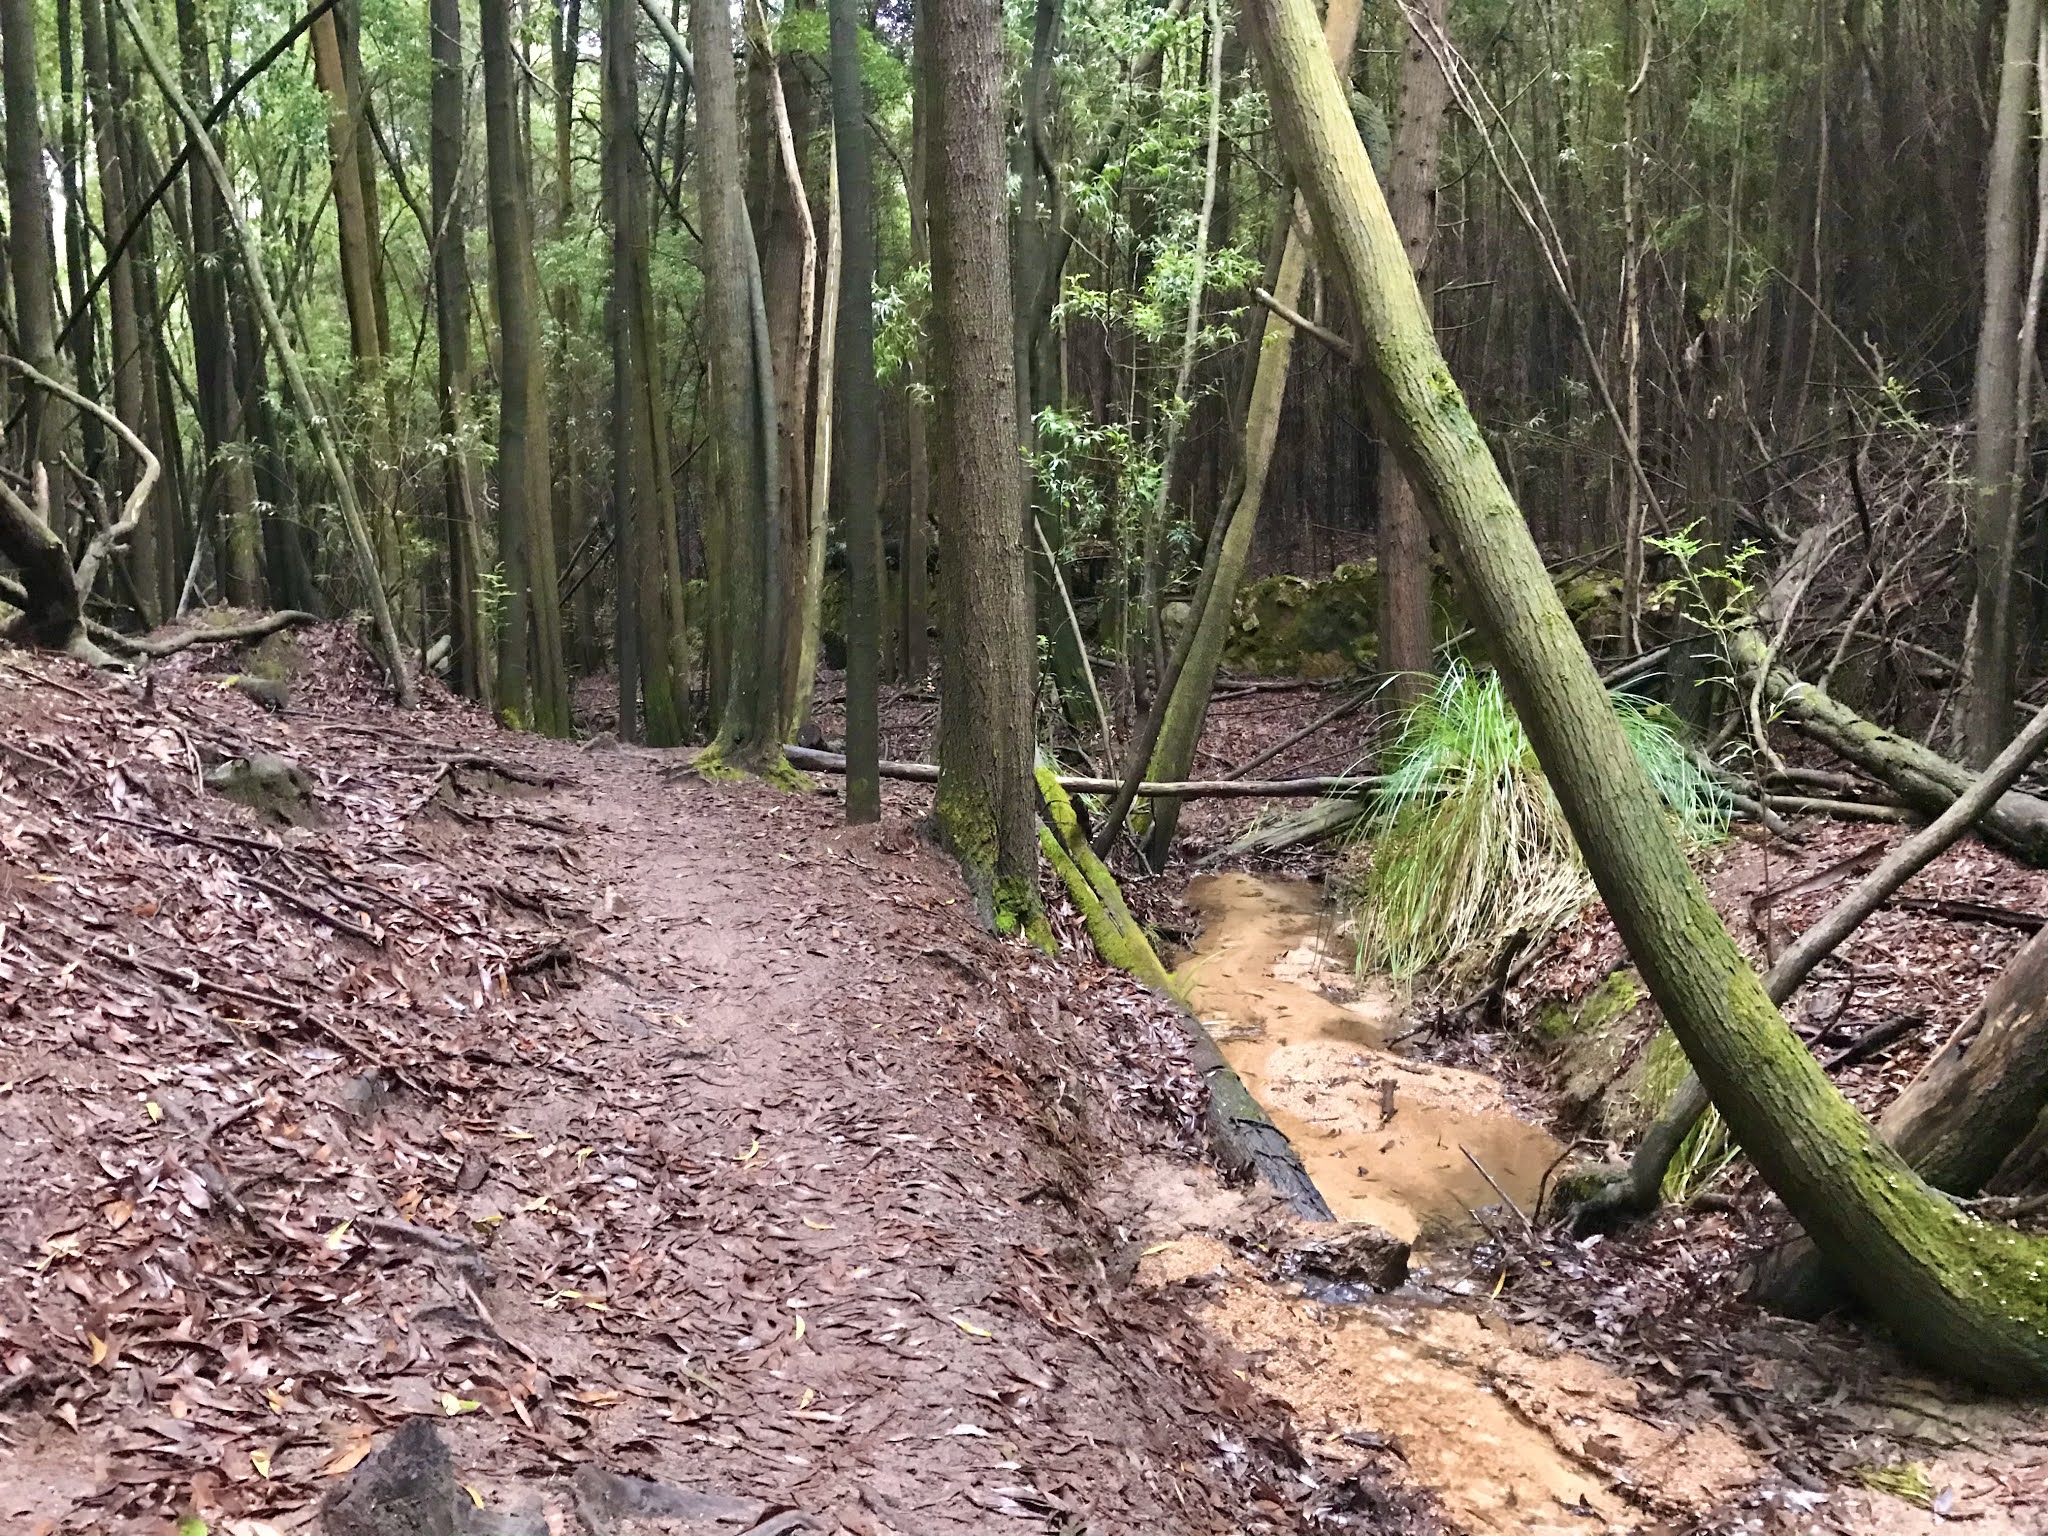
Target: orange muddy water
1404, 1144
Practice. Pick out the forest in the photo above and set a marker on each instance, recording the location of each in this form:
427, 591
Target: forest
1090, 765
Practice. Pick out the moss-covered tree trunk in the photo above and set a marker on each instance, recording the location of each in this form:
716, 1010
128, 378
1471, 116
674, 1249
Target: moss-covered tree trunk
987, 734
1967, 1296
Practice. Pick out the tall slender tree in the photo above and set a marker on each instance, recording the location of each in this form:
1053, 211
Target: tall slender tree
30, 253
533, 681
1988, 683
987, 730
639, 498
859, 428
463, 554
1406, 643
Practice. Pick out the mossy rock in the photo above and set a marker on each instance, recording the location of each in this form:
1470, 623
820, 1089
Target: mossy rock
275, 658
1592, 599
1591, 1041
276, 788
1287, 626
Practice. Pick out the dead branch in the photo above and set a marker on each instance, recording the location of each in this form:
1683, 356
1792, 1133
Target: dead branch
1194, 789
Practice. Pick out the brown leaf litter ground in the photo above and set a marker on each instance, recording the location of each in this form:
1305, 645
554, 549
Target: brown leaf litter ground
609, 1116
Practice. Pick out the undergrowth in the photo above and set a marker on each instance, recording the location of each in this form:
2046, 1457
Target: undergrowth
1467, 852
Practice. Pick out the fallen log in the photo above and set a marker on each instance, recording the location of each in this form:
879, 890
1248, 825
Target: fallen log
1920, 776
1193, 789
1319, 823
1242, 1135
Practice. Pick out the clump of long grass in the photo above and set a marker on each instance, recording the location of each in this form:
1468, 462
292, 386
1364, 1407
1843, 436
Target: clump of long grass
1467, 850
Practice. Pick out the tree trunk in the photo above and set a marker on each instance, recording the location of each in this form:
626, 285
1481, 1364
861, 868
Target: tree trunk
1407, 641
126, 364
227, 510
352, 173
855, 468
533, 682
914, 556
30, 251
85, 330
808, 630
739, 531
640, 500
1988, 666
1956, 1123
1961, 1293
986, 810
470, 648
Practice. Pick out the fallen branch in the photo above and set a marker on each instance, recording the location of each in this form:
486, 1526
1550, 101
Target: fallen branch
157, 646
1192, 789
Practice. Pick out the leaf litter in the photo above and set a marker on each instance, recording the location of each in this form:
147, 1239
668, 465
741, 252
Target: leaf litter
614, 1120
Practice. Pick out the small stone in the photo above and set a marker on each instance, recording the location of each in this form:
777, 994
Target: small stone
405, 1488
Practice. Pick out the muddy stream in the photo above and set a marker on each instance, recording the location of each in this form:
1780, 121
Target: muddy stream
1514, 1435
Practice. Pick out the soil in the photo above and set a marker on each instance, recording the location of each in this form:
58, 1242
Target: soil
608, 1116
619, 1120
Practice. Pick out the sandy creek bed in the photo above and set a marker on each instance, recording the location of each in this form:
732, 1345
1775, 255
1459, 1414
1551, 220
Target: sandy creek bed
1514, 1436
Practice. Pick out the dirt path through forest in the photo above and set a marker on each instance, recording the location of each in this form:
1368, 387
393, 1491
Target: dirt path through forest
654, 1126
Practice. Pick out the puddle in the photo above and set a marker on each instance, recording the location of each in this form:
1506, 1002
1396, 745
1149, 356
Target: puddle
1390, 1140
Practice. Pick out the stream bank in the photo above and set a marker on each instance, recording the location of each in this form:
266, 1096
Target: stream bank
1480, 1378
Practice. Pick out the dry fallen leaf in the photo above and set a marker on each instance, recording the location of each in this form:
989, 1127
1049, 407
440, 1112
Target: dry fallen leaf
347, 1458
453, 1405
118, 1213
260, 1460
99, 1348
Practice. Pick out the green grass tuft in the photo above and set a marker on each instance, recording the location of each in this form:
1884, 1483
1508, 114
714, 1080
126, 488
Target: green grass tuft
1467, 851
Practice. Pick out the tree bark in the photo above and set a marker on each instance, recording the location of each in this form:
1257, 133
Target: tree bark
855, 469
533, 681
1407, 642
30, 251
1962, 1294
639, 498
1988, 665
986, 806
471, 651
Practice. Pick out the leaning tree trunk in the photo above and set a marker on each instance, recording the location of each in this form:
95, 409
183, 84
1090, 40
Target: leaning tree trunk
986, 806
1988, 667
1961, 1293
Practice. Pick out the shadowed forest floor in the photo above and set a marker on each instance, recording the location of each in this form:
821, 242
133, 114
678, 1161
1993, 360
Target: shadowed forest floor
619, 1120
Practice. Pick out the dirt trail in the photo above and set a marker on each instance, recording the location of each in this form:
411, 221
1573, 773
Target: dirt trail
652, 1125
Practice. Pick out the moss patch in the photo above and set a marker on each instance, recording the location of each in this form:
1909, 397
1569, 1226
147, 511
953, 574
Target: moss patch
1286, 626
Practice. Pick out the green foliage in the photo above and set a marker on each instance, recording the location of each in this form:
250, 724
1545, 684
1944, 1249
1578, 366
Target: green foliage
1469, 851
